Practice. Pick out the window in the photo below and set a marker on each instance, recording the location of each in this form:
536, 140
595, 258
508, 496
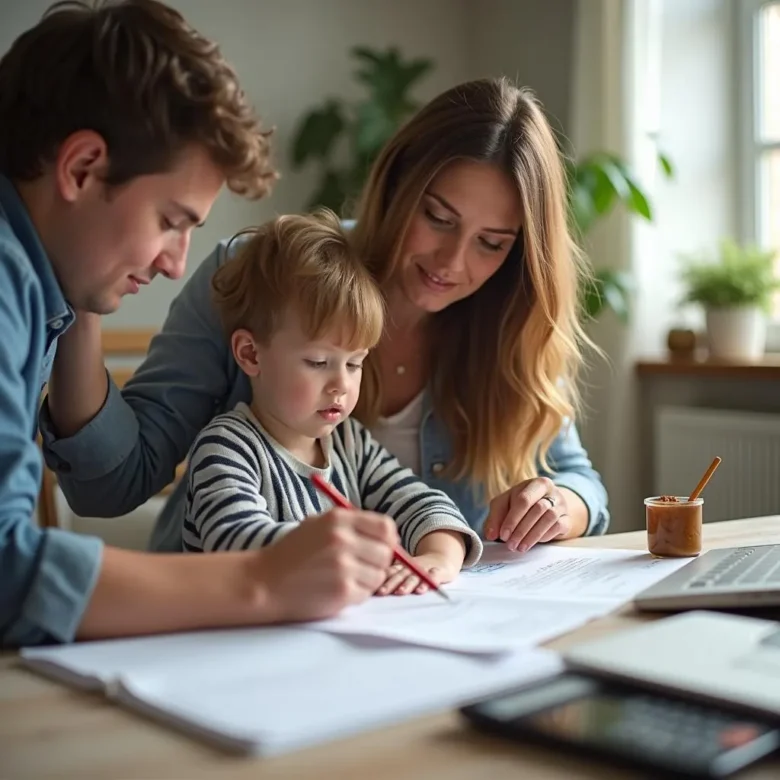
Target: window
759, 59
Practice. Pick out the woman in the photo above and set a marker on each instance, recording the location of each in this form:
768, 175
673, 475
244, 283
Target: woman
463, 221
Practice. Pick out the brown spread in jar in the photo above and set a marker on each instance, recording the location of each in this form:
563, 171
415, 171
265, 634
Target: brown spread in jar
673, 526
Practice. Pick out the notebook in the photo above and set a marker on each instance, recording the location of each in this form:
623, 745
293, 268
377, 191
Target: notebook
271, 690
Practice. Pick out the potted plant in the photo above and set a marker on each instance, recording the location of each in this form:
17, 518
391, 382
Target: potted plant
735, 289
343, 138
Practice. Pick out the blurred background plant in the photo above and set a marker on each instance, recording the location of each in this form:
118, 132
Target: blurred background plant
343, 138
598, 183
736, 275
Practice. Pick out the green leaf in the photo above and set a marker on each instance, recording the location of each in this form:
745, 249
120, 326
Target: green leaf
582, 209
616, 176
666, 165
364, 53
603, 191
607, 288
389, 79
317, 133
638, 202
331, 192
592, 299
373, 128
412, 73
618, 300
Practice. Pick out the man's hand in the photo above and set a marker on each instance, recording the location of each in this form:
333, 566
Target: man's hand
329, 562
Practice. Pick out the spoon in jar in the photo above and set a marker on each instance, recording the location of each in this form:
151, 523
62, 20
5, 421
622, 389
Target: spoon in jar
705, 479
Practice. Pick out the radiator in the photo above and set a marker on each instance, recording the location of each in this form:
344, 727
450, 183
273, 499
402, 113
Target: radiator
747, 483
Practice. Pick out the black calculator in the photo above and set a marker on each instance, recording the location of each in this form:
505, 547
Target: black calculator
662, 734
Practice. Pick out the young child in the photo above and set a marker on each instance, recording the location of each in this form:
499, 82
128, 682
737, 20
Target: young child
301, 312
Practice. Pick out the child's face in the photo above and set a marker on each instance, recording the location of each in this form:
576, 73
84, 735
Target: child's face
304, 388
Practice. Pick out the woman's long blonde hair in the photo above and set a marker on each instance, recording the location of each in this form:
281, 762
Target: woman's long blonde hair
504, 378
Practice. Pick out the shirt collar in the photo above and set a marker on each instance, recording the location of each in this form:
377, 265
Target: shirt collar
58, 312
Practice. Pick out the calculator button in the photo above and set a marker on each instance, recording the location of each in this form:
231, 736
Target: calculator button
738, 735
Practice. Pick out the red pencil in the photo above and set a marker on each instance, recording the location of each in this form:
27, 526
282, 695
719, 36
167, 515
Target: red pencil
399, 554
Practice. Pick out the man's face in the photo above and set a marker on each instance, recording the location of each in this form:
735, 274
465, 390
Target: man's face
112, 241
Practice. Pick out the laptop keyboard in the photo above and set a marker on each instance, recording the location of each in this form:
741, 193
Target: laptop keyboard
744, 566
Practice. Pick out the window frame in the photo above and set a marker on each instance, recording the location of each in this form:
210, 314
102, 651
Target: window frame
750, 145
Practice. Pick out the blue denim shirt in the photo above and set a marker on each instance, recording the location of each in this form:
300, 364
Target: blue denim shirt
130, 450
46, 576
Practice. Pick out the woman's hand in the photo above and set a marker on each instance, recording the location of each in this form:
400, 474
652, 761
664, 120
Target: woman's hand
533, 511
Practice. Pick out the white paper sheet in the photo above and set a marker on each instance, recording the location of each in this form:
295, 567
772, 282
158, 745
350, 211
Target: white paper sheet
565, 573
509, 600
471, 622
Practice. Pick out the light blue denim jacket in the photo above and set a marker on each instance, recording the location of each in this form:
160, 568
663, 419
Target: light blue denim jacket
130, 450
46, 576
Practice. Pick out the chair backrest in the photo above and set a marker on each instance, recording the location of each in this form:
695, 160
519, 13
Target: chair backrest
124, 345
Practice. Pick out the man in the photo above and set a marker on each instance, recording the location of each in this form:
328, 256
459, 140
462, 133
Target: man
119, 125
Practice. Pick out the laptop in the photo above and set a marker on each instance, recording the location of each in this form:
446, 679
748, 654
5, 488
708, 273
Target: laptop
734, 578
714, 657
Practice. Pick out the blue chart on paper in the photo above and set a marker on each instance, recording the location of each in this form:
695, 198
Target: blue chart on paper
483, 568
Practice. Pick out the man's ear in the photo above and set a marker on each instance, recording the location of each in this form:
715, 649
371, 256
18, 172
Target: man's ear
245, 351
82, 161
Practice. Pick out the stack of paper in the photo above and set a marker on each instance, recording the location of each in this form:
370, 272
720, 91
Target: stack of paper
277, 689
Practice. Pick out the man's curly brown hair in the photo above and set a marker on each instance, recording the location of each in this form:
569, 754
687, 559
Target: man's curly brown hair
136, 73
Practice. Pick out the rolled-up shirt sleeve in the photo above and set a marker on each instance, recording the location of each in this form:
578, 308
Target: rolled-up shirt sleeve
101, 446
46, 581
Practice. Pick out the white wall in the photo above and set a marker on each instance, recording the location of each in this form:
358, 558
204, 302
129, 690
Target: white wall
530, 41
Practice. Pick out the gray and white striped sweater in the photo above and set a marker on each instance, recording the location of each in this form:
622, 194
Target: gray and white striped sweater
246, 491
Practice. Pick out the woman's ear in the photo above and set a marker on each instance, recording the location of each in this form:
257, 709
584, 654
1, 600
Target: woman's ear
245, 351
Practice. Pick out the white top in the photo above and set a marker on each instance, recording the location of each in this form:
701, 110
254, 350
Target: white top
400, 433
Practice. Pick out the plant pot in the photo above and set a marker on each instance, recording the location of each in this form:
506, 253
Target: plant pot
736, 333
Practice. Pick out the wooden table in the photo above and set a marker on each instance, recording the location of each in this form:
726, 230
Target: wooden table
49, 730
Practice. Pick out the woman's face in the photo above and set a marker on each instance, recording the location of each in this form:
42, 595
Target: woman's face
464, 226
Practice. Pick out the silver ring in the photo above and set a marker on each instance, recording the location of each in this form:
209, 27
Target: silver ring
551, 499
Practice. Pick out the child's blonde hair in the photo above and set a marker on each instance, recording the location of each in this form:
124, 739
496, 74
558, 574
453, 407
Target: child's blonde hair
305, 263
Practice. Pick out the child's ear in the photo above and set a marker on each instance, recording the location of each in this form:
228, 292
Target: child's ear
245, 352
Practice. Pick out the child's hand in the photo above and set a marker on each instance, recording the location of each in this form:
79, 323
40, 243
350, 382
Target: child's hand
400, 581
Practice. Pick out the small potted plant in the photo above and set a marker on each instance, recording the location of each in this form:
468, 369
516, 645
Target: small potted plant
735, 289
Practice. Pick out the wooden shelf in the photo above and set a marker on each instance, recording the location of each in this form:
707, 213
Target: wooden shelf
127, 342
768, 368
